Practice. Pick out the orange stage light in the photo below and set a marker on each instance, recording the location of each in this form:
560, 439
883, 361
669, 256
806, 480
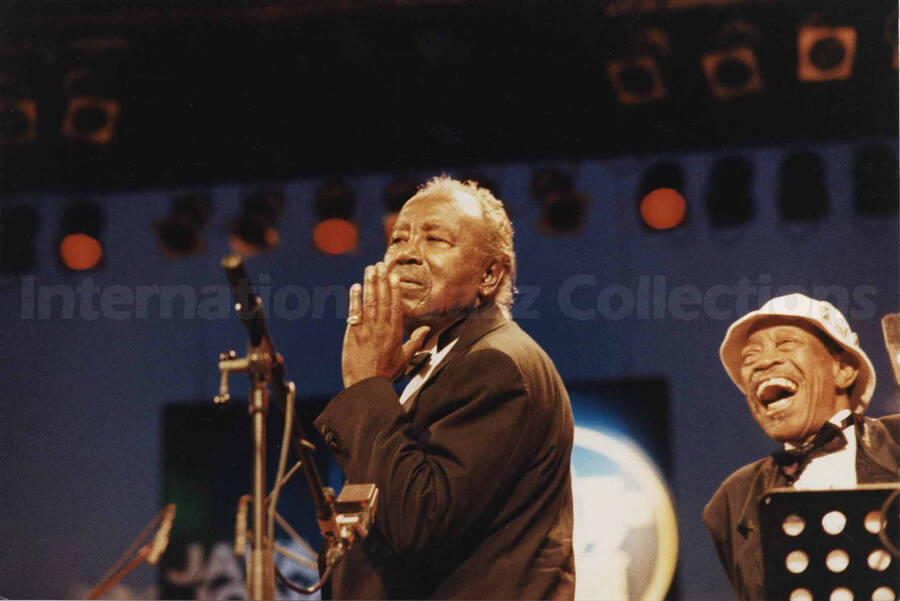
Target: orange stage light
80, 252
335, 236
389, 220
663, 208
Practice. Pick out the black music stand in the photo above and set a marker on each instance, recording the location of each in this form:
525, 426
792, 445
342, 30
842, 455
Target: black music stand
829, 544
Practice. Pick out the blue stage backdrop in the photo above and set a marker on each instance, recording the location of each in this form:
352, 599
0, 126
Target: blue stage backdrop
89, 360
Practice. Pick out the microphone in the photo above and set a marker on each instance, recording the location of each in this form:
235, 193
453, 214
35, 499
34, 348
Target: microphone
890, 327
161, 538
249, 307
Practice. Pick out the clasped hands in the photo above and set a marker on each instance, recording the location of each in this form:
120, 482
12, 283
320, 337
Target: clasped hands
373, 341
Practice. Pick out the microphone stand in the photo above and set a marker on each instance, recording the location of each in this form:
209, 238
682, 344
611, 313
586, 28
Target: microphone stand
342, 520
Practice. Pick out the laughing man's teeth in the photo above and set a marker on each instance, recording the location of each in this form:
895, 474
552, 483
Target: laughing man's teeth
778, 404
782, 382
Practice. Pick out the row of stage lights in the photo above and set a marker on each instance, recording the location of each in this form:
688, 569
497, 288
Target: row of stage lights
731, 65
638, 75
802, 197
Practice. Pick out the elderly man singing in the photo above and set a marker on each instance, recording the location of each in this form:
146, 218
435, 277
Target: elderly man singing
807, 383
471, 458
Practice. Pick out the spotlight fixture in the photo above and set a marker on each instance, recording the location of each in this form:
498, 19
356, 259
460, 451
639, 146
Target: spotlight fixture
825, 53
395, 196
255, 229
563, 210
729, 198
637, 77
18, 228
875, 182
335, 232
802, 196
180, 233
79, 243
91, 119
731, 67
18, 121
92, 110
661, 202
18, 108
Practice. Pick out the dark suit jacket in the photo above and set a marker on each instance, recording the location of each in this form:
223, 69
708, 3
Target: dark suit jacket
732, 518
475, 495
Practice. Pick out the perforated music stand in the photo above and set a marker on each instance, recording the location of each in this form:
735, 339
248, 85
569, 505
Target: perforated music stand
824, 544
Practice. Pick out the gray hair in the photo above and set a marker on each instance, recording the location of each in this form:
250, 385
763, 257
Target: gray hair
498, 230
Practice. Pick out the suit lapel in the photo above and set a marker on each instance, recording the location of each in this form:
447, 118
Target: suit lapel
468, 331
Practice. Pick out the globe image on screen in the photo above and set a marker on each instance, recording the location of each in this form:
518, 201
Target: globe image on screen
625, 535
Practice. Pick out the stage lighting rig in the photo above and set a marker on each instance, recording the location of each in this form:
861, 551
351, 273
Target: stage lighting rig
18, 121
563, 210
18, 229
875, 183
825, 53
18, 110
731, 67
729, 196
335, 232
395, 195
802, 196
92, 108
637, 76
661, 202
255, 229
79, 244
180, 233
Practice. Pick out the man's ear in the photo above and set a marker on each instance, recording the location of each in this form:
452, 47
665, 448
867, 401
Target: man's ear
845, 371
490, 279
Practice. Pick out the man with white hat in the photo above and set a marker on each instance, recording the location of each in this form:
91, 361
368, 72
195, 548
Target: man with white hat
807, 383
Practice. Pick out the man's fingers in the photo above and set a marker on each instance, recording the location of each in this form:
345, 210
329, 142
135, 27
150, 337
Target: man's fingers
354, 314
370, 295
384, 293
396, 305
415, 342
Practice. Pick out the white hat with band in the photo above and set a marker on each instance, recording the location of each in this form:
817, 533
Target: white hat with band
820, 314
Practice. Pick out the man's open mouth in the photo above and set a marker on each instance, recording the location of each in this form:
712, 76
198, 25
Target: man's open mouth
775, 393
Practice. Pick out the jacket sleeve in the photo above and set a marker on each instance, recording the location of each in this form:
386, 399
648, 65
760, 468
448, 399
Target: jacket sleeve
717, 521
435, 485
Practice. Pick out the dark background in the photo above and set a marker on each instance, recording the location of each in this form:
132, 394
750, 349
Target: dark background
225, 99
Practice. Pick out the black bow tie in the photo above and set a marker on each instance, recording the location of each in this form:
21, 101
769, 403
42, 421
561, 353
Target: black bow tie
828, 439
415, 364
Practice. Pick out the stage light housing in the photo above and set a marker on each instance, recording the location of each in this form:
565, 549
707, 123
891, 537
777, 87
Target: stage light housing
732, 73
562, 209
729, 195
335, 232
180, 233
636, 80
18, 229
395, 195
825, 53
255, 229
802, 196
91, 119
18, 121
660, 197
79, 244
875, 182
